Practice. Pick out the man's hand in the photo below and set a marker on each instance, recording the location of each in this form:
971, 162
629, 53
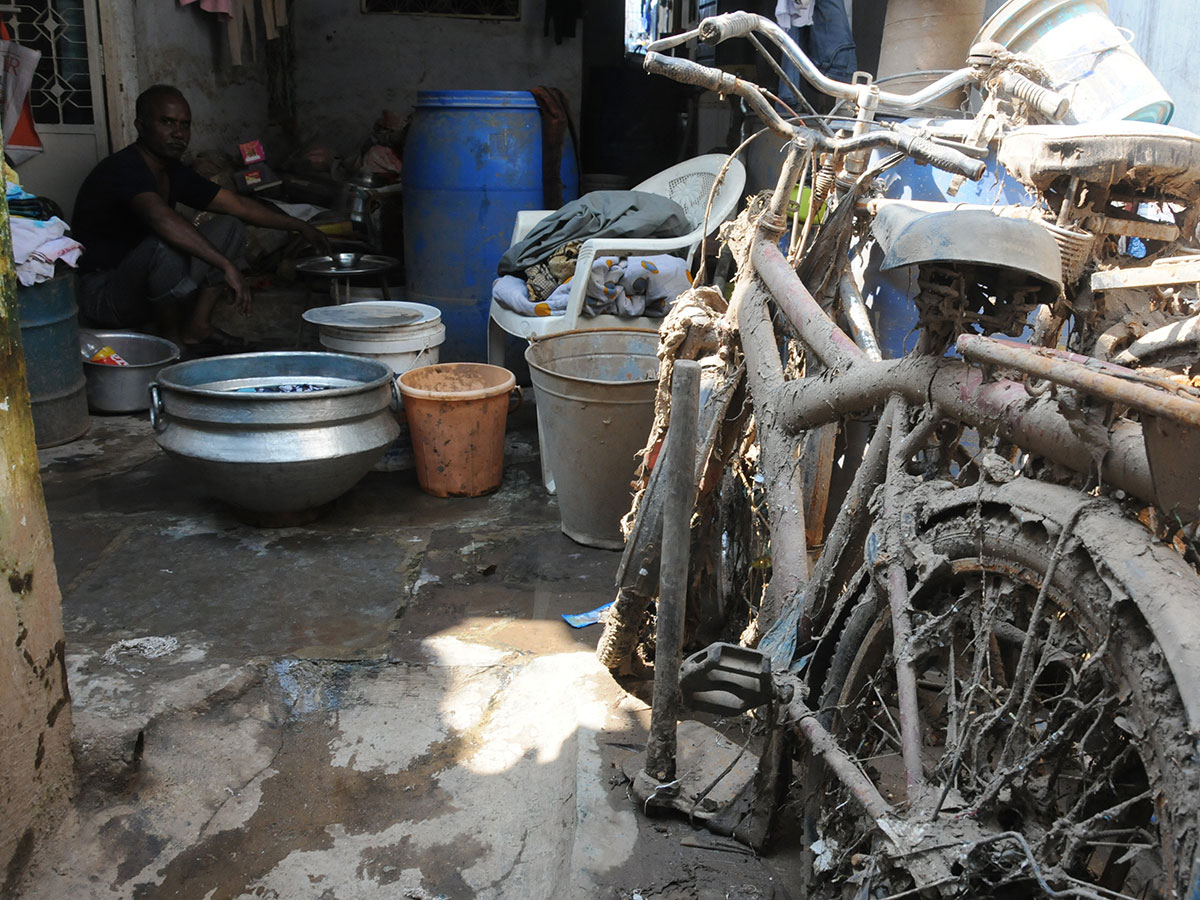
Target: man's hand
317, 238
242, 298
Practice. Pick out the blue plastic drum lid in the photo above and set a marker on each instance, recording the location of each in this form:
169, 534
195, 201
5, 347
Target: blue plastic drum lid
476, 99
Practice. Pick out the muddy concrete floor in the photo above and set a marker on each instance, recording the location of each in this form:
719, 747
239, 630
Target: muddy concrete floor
382, 703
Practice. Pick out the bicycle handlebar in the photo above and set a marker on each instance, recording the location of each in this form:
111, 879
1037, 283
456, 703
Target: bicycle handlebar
919, 147
1050, 104
687, 72
716, 29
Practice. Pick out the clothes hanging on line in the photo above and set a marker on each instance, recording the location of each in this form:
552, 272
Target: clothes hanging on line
241, 22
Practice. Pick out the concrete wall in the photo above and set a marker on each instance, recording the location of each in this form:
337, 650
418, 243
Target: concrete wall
351, 66
1164, 35
348, 66
35, 711
187, 47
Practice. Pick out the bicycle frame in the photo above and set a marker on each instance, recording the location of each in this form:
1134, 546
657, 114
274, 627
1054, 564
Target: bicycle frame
1061, 408
944, 389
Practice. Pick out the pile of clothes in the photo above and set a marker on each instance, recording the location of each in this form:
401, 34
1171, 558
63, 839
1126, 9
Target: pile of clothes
536, 275
39, 237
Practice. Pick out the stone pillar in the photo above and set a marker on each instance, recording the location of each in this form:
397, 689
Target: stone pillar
35, 710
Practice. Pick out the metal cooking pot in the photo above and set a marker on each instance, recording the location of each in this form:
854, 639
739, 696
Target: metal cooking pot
270, 452
122, 389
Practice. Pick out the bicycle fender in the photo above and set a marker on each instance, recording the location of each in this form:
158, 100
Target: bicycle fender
911, 233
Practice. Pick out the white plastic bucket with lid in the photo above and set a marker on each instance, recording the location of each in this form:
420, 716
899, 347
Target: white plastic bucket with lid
403, 335
1088, 58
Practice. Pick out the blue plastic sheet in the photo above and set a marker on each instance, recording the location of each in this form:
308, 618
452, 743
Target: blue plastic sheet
582, 620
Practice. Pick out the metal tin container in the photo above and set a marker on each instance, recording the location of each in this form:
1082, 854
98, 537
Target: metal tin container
258, 449
595, 405
125, 389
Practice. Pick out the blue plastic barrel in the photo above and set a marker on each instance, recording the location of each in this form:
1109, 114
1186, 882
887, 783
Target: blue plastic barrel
53, 365
472, 159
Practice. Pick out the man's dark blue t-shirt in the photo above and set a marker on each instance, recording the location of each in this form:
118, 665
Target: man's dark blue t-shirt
105, 221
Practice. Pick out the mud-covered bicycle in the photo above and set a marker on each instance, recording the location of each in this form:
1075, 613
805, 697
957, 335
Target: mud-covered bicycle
986, 669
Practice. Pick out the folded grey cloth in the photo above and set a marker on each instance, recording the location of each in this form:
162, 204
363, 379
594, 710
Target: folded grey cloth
612, 214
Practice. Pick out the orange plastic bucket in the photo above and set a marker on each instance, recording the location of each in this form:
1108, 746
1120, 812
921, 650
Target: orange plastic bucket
457, 414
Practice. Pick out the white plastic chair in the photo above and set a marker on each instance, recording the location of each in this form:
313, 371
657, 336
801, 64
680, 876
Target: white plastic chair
688, 184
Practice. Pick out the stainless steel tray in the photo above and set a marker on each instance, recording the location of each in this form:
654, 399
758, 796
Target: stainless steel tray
340, 265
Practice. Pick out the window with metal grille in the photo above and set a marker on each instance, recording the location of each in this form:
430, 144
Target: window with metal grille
61, 93
466, 9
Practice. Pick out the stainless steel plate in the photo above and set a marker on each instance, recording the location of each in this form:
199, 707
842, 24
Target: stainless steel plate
344, 264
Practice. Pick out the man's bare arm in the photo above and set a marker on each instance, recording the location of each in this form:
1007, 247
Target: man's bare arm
181, 234
254, 213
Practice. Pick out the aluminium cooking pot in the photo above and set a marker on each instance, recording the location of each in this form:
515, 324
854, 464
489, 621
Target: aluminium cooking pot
276, 432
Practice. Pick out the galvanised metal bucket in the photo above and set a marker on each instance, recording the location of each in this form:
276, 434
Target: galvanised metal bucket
595, 405
258, 449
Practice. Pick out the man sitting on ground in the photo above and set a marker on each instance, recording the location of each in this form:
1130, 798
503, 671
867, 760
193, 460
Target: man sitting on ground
144, 261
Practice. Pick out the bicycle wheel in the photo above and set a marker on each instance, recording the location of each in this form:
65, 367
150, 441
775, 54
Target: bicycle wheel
1056, 732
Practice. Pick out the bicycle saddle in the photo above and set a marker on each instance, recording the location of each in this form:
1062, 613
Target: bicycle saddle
1138, 157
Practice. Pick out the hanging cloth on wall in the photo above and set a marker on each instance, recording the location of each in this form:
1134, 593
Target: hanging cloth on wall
268, 11
563, 14
222, 8
556, 124
274, 14
243, 18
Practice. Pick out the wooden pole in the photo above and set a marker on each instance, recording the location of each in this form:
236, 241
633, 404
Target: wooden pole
680, 499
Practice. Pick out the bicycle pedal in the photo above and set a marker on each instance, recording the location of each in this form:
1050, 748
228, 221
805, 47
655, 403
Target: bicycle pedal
725, 679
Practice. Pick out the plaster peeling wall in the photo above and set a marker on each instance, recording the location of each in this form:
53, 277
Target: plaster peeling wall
350, 66
35, 712
188, 48
1169, 53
